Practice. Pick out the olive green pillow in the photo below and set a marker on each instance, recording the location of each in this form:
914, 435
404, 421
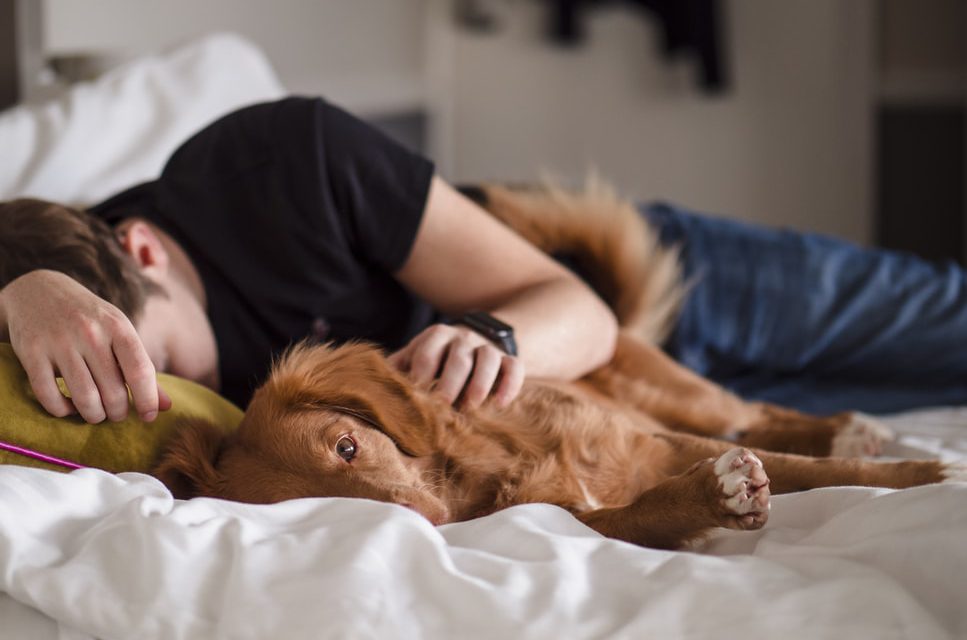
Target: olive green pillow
131, 445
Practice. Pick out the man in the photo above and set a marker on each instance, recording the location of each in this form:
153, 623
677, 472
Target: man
288, 220
293, 219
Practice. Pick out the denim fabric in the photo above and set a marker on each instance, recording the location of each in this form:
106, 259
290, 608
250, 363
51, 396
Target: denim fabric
816, 323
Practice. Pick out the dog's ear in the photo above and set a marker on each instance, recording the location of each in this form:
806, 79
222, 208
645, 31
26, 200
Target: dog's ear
357, 379
187, 463
392, 405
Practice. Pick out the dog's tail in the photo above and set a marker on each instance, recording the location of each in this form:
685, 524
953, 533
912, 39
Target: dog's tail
606, 240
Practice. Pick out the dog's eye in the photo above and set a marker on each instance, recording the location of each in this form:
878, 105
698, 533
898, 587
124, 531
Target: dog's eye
346, 448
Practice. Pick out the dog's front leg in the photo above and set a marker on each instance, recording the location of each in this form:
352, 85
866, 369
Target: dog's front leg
790, 472
729, 491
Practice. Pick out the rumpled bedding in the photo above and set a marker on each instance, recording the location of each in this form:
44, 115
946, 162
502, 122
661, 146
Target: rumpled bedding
92, 555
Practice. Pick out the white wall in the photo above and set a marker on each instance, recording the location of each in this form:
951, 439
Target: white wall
791, 144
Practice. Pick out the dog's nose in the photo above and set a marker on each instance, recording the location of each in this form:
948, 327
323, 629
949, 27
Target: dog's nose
436, 519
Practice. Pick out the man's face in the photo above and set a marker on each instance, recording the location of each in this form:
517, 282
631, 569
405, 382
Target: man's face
151, 326
173, 326
178, 337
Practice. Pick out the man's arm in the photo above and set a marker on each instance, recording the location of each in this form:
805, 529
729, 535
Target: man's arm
464, 260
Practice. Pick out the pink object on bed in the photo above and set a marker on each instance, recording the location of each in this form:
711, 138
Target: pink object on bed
37, 455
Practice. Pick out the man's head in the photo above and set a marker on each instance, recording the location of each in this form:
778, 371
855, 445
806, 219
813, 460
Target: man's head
135, 266
35, 234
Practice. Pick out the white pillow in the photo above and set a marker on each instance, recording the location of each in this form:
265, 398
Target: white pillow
103, 136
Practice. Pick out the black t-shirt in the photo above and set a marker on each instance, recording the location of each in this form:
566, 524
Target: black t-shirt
295, 214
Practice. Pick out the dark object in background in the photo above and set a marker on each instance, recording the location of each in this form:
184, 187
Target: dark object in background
475, 15
9, 78
920, 181
21, 51
690, 27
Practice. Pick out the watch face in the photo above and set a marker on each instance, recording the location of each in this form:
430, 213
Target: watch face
500, 333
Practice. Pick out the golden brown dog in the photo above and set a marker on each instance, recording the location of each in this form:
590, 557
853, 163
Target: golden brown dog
634, 449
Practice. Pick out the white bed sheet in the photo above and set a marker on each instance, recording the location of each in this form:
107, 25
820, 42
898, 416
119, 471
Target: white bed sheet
95, 555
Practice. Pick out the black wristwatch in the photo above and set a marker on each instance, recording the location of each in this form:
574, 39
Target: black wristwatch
500, 333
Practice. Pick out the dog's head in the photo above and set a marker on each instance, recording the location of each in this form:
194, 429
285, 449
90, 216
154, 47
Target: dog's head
328, 422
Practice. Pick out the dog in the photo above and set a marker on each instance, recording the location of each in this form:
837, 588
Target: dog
642, 449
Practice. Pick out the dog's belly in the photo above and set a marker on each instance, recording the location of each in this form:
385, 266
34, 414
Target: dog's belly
550, 408
584, 453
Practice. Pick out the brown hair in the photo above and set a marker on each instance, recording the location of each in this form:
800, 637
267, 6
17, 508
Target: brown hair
35, 234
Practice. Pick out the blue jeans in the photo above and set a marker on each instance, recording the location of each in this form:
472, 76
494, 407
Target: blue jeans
815, 323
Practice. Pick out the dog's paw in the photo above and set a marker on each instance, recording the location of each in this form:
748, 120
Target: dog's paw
745, 487
862, 435
954, 472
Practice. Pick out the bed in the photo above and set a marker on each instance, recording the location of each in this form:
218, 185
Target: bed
96, 555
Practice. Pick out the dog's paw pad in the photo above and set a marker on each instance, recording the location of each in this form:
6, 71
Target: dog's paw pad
955, 472
745, 487
862, 435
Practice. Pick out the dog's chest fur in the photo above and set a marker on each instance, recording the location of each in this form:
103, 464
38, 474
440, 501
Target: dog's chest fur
553, 445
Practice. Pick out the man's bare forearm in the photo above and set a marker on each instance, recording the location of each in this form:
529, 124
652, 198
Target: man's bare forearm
563, 330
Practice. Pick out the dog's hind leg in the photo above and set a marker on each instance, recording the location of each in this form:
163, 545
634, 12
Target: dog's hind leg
846, 434
642, 377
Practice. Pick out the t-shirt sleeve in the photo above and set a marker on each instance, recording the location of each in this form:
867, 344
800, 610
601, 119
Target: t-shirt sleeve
378, 187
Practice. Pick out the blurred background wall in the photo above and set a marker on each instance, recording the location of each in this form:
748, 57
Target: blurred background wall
796, 138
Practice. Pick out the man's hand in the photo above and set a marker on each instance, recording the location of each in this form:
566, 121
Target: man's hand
58, 327
465, 364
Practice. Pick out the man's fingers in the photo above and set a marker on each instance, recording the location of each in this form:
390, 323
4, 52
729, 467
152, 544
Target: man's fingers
456, 370
164, 400
429, 349
43, 381
400, 359
107, 377
511, 380
80, 383
486, 366
464, 368
139, 375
